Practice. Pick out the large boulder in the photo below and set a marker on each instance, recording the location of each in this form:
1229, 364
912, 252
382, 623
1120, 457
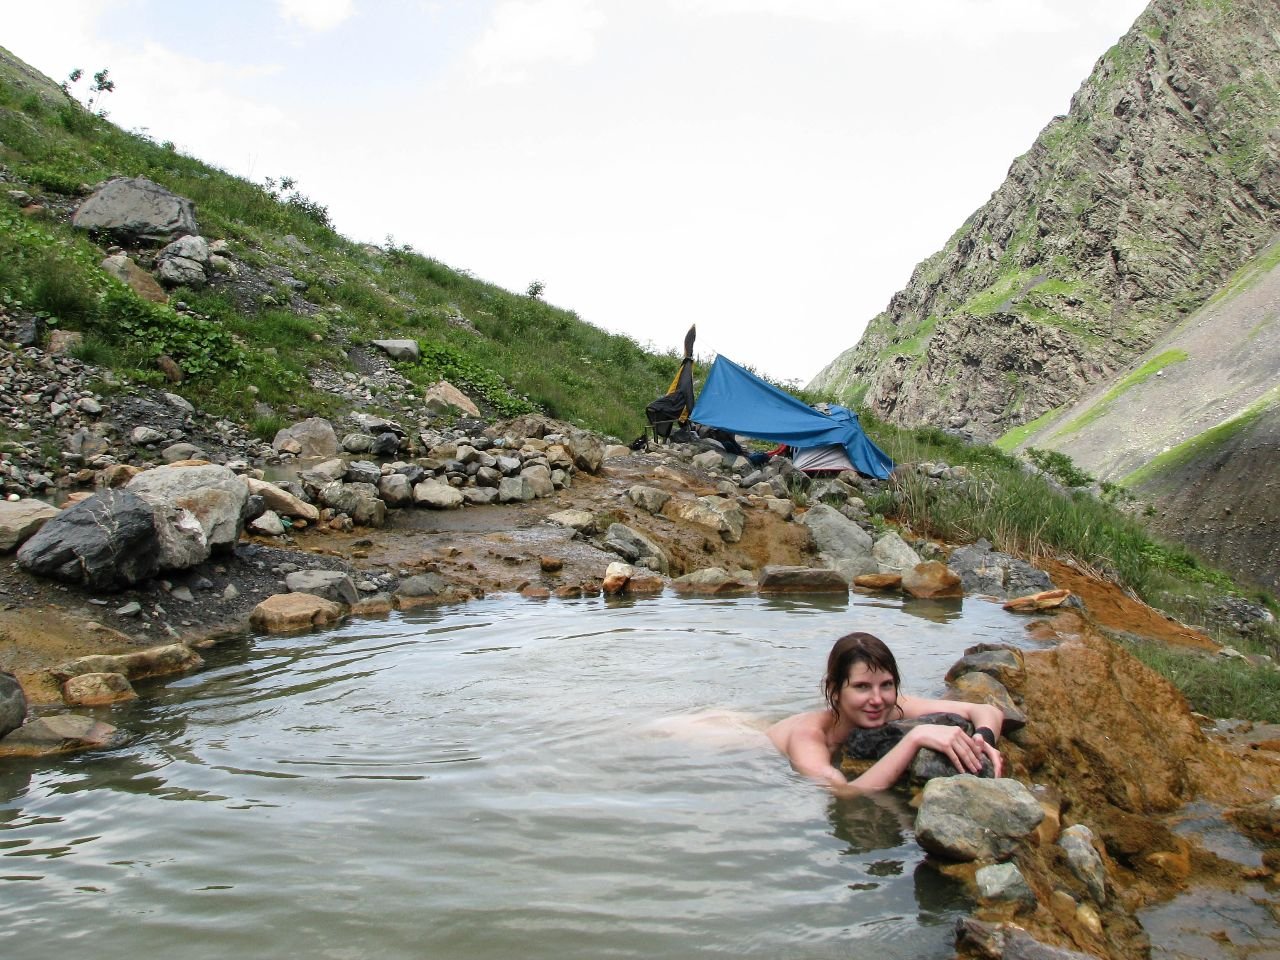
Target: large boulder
331, 584
969, 818
313, 437
634, 547
838, 537
13, 703
132, 209
212, 494
107, 541
20, 519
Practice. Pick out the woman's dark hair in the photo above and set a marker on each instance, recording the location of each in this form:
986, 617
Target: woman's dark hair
849, 651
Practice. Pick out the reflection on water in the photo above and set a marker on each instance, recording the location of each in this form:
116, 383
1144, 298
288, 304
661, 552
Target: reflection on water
496, 780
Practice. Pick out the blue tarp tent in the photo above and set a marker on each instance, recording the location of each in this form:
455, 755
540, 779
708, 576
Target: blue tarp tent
737, 400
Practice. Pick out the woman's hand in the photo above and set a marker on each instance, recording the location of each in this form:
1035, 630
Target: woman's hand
964, 751
997, 759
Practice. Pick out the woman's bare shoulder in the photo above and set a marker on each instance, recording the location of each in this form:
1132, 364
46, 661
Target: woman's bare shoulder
814, 723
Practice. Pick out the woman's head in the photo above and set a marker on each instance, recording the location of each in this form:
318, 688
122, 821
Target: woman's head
849, 651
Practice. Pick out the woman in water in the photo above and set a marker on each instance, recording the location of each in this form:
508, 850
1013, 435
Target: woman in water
862, 690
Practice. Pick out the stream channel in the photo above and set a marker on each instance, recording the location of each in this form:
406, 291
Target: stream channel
501, 779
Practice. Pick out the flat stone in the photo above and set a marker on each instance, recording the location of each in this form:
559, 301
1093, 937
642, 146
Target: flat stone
287, 612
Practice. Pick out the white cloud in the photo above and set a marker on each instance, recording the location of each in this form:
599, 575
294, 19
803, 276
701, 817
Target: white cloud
316, 15
919, 18
523, 33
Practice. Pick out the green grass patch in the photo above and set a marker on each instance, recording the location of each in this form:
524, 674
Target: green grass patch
1141, 375
1012, 439
1215, 686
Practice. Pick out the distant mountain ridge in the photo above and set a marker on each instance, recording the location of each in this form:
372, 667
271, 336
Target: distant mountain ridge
1118, 297
1125, 214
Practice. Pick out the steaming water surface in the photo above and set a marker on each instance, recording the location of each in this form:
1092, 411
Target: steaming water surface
504, 779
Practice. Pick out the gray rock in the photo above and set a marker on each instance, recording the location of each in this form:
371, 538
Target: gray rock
182, 451
423, 585
893, 555
581, 520
385, 444
268, 523
144, 435
1004, 882
362, 471
480, 496
836, 536
648, 498
359, 501
1082, 856
634, 547
213, 494
399, 349
135, 209
13, 703
785, 579
331, 584
63, 732
539, 479
984, 570
357, 443
873, 743
395, 490
313, 437
515, 490
970, 818
20, 519
107, 541
976, 687
436, 495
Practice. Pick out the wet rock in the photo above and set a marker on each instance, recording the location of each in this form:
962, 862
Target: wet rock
61, 733
838, 537
13, 703
515, 490
1004, 882
313, 437
719, 514
616, 577
436, 495
331, 584
97, 689
580, 520
776, 578
1045, 600
873, 743
892, 554
643, 585
20, 519
362, 471
423, 585
106, 542
1077, 842
878, 581
931, 580
1003, 663
152, 662
648, 498
984, 570
634, 547
969, 818
288, 612
268, 524
975, 687
713, 581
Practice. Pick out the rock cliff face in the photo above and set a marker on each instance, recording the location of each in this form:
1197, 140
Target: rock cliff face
1125, 214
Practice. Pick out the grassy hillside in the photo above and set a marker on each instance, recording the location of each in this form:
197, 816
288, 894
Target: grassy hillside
512, 352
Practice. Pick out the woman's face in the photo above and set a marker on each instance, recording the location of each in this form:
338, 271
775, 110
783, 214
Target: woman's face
869, 696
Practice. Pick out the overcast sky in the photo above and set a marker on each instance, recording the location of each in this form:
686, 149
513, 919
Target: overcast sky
769, 169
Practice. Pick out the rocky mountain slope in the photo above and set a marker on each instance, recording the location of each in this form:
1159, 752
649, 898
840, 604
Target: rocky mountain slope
1193, 426
1125, 214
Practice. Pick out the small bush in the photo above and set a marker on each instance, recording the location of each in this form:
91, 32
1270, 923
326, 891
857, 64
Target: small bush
1059, 466
200, 346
